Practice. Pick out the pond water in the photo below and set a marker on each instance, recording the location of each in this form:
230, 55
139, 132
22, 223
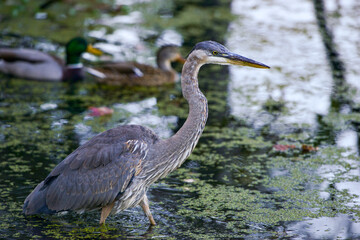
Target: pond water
279, 157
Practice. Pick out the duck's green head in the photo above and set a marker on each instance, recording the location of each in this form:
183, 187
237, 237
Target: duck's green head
76, 47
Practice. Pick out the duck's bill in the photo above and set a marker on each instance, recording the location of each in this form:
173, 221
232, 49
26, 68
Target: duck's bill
180, 59
92, 50
236, 59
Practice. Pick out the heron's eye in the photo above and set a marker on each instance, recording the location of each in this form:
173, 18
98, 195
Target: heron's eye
215, 53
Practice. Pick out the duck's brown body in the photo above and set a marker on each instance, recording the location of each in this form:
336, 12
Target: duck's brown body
123, 74
137, 74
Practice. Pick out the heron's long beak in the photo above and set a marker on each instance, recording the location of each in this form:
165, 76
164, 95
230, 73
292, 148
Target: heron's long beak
236, 59
93, 50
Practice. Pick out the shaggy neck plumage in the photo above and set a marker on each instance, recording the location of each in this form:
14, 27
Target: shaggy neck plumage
177, 148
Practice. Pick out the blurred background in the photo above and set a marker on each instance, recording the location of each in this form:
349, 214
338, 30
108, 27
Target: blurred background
279, 157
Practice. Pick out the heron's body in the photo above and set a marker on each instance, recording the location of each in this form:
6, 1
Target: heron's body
137, 74
36, 65
114, 170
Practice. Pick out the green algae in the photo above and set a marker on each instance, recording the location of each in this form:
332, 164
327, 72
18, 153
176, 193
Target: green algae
290, 200
67, 20
235, 201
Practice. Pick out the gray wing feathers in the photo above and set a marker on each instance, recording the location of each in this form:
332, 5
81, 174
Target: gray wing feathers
95, 174
92, 182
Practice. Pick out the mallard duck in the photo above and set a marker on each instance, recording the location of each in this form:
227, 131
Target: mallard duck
137, 74
36, 65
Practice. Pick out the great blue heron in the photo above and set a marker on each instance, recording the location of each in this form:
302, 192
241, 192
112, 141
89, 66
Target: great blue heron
114, 170
137, 74
36, 65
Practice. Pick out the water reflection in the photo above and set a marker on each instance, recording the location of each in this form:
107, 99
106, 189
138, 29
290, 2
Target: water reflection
344, 21
348, 139
142, 113
126, 41
302, 82
169, 36
340, 227
299, 77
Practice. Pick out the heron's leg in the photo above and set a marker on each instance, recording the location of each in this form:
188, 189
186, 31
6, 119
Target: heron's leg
145, 206
105, 212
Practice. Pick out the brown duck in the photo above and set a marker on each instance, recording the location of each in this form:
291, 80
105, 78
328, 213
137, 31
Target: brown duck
137, 74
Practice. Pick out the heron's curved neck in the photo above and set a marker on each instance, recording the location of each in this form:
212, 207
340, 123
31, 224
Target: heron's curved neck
183, 142
172, 152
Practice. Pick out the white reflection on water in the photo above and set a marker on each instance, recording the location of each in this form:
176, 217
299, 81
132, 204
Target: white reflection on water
340, 227
169, 36
48, 106
127, 41
146, 113
132, 18
284, 36
130, 2
348, 139
143, 113
344, 21
123, 44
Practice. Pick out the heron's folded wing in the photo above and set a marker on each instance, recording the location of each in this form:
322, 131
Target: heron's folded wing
94, 174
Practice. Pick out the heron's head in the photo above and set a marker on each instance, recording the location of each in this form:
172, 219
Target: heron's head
213, 52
